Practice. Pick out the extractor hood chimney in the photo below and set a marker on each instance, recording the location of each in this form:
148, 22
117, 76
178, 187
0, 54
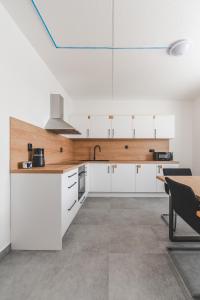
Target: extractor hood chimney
56, 123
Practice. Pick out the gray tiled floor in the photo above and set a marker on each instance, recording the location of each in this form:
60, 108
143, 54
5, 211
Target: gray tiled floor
114, 250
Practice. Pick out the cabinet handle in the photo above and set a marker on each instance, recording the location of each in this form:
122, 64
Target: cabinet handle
113, 132
137, 168
109, 133
72, 206
72, 175
113, 169
134, 133
88, 132
159, 168
108, 169
155, 133
69, 187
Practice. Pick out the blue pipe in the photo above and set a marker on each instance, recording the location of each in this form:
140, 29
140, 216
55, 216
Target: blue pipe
90, 47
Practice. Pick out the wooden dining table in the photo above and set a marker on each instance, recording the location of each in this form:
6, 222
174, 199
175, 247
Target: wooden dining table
191, 181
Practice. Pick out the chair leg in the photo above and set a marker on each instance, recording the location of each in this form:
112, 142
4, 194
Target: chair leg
165, 218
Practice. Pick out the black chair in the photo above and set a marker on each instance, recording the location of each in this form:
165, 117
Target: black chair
185, 204
173, 172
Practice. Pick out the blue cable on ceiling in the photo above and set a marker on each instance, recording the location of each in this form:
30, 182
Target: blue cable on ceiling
90, 47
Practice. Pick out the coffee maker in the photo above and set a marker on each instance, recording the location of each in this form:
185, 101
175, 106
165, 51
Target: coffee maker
38, 157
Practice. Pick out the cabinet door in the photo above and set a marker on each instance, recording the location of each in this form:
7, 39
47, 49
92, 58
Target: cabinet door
144, 127
122, 127
123, 178
82, 124
160, 187
165, 127
100, 127
100, 177
145, 178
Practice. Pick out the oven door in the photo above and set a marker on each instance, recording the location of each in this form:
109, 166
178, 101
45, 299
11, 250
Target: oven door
81, 182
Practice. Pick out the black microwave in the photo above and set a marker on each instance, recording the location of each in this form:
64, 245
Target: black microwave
165, 156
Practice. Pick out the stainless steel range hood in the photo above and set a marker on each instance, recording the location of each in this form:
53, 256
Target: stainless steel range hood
56, 123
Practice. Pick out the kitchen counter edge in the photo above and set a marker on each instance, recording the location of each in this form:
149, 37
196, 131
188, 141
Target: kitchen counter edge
63, 168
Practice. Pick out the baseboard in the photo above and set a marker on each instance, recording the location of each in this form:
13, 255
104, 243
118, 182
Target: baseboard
5, 251
134, 195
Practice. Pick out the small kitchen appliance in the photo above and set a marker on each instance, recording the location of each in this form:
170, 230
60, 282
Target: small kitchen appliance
163, 156
38, 157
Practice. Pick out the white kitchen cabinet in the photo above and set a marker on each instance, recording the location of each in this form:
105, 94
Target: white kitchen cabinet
100, 126
143, 127
145, 178
123, 178
122, 127
42, 208
100, 177
159, 172
82, 124
165, 126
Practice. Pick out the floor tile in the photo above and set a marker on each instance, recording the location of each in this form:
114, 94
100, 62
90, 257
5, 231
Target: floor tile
140, 277
84, 276
134, 216
99, 202
92, 216
133, 239
90, 238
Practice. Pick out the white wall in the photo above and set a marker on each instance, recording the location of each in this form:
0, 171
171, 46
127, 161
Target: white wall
26, 83
196, 137
181, 145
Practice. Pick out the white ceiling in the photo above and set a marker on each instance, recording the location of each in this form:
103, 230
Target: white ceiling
87, 74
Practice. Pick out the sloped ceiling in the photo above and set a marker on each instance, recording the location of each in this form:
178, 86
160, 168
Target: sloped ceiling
121, 74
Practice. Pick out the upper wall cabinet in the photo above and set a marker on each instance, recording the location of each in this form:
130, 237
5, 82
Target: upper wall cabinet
82, 124
100, 127
165, 127
124, 126
144, 127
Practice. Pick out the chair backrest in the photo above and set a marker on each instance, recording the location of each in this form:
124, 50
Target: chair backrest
175, 172
184, 203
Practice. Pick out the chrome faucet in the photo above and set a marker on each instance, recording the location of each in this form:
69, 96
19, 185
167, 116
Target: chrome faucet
95, 147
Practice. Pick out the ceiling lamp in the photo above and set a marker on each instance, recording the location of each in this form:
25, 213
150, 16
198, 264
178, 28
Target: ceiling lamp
180, 47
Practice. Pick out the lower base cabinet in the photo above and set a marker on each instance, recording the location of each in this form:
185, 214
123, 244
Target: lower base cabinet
100, 180
122, 178
145, 179
108, 178
127, 178
42, 208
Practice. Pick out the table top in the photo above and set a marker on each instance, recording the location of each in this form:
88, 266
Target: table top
191, 181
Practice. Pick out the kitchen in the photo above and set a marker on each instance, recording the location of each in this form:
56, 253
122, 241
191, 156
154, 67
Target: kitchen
115, 223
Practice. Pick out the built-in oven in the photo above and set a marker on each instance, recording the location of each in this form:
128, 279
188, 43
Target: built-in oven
81, 181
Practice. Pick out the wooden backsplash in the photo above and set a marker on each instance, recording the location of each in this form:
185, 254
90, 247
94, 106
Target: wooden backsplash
115, 149
22, 133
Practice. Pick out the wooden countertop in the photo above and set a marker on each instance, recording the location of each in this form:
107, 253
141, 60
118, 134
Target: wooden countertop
191, 181
49, 169
65, 167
